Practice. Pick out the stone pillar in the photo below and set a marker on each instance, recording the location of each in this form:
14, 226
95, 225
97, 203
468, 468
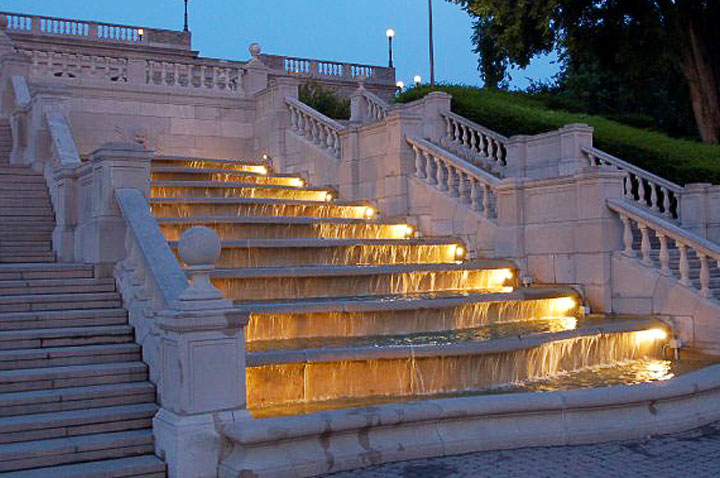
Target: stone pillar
273, 118
65, 200
100, 234
434, 127
695, 208
203, 366
256, 73
358, 105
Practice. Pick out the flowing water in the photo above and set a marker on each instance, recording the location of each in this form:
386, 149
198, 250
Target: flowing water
390, 322
365, 323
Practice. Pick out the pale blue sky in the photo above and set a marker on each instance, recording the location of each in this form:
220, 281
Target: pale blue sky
348, 30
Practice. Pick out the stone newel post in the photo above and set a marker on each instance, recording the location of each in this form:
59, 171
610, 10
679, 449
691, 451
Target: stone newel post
203, 365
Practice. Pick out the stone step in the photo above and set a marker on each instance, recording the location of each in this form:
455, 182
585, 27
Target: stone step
35, 194
65, 336
233, 207
62, 451
40, 302
26, 380
42, 426
18, 359
21, 235
169, 173
10, 179
305, 252
223, 189
18, 170
76, 398
56, 286
9, 247
283, 283
26, 258
260, 167
23, 186
45, 271
62, 318
24, 201
148, 466
28, 211
285, 227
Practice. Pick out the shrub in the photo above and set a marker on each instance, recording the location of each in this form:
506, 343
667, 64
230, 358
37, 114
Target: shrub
325, 100
510, 113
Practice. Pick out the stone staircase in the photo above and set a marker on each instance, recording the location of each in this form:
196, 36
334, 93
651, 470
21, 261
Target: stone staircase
75, 400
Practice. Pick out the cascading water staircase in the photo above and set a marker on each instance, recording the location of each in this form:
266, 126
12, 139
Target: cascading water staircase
349, 309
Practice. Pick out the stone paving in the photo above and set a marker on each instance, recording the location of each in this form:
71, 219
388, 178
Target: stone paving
693, 454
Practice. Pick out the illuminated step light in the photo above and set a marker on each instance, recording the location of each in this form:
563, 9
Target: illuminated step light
370, 212
652, 335
459, 252
263, 170
329, 196
565, 304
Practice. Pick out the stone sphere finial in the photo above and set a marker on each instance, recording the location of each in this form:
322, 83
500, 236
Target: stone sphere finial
255, 49
200, 246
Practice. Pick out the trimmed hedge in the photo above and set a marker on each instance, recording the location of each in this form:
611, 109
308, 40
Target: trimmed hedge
510, 113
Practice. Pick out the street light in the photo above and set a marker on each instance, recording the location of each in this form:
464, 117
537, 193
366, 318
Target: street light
390, 34
417, 79
432, 48
400, 85
187, 27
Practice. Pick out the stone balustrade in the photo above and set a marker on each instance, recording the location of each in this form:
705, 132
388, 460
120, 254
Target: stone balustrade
322, 69
200, 74
688, 245
315, 127
642, 187
456, 177
377, 108
64, 28
72, 66
480, 145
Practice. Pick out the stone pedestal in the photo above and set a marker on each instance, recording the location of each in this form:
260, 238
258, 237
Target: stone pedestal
203, 366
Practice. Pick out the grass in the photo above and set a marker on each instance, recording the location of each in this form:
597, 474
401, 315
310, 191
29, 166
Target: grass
680, 160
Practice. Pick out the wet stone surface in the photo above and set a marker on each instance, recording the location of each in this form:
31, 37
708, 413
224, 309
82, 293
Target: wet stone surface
693, 454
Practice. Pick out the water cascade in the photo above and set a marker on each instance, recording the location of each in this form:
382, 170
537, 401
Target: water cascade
348, 309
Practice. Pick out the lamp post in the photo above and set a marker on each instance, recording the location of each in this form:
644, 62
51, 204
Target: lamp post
432, 48
390, 34
187, 27
417, 80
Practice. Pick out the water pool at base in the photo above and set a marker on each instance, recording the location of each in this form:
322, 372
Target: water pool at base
626, 373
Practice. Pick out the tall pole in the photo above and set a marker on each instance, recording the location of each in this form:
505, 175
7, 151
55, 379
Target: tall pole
390, 63
187, 27
432, 48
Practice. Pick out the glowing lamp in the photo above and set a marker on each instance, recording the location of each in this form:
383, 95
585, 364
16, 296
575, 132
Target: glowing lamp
459, 252
141, 32
370, 212
417, 79
400, 85
329, 196
390, 33
653, 334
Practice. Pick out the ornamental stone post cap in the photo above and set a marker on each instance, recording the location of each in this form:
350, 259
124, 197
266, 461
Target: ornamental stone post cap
255, 49
200, 246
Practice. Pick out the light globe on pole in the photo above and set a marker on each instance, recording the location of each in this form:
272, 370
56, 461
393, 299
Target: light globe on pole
417, 79
390, 35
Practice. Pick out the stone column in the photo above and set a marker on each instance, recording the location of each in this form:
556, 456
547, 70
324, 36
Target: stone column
358, 105
695, 208
203, 365
434, 127
100, 233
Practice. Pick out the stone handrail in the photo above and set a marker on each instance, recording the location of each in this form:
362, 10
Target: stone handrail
642, 187
64, 150
479, 144
315, 126
456, 177
377, 108
37, 25
663, 229
199, 74
149, 258
320, 69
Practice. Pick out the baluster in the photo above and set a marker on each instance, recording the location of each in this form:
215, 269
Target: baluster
664, 255
641, 191
441, 175
463, 188
473, 141
491, 148
704, 275
301, 123
627, 185
666, 203
293, 119
475, 194
627, 237
448, 130
684, 265
336, 145
456, 134
465, 138
453, 182
486, 201
419, 163
329, 137
645, 245
432, 168
654, 202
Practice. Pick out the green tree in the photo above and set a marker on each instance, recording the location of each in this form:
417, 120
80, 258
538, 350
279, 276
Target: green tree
649, 44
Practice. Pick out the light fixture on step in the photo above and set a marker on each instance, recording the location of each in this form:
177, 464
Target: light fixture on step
509, 274
460, 252
653, 334
329, 196
263, 170
409, 231
299, 182
370, 212
565, 304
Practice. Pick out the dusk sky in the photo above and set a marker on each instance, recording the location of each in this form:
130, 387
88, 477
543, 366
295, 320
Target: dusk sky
324, 29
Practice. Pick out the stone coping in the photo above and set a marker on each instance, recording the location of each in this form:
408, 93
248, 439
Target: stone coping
406, 302
461, 349
325, 442
341, 271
